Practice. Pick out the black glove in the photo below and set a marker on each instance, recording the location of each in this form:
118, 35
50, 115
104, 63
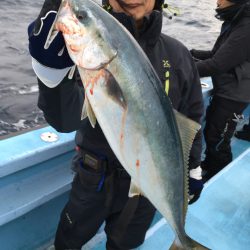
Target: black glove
201, 54
55, 55
244, 134
195, 184
194, 54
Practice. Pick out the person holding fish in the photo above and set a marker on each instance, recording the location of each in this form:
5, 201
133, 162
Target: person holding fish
100, 188
229, 66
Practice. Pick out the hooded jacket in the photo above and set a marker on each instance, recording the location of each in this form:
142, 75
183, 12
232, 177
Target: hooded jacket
63, 104
229, 61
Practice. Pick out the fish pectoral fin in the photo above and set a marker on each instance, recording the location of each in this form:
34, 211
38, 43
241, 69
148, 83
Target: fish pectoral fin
134, 190
114, 90
87, 111
187, 130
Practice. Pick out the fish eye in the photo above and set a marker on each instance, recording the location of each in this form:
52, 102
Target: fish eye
82, 15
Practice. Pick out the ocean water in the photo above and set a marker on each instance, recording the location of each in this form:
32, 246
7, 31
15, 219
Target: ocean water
196, 27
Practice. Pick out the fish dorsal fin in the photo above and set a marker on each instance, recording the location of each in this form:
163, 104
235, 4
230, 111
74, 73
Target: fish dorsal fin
187, 130
87, 111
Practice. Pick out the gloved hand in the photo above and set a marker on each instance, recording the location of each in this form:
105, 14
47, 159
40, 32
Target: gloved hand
195, 184
195, 54
55, 54
244, 134
201, 54
192, 51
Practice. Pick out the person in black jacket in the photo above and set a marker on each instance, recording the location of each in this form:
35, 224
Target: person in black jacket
100, 188
229, 66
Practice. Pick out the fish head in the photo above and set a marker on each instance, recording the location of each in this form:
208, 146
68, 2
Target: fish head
85, 35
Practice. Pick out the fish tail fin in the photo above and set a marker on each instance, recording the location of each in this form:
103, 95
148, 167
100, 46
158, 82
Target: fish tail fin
190, 244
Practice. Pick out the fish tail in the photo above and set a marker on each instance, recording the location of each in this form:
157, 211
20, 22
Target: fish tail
190, 244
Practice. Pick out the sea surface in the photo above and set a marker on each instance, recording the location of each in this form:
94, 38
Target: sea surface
196, 27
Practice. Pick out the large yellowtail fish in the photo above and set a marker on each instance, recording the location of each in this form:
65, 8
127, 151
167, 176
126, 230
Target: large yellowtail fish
124, 94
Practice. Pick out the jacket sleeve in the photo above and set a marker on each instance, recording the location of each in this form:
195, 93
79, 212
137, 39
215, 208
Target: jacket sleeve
232, 53
201, 54
62, 105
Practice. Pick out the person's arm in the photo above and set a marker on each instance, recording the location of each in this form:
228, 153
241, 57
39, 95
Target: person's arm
50, 58
62, 105
201, 54
232, 53
60, 98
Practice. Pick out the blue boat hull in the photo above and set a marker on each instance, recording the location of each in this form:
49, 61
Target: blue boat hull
35, 179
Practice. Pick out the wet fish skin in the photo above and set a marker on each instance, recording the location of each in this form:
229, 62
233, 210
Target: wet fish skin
124, 93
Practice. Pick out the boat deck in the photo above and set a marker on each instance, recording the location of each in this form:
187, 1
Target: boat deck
35, 179
220, 219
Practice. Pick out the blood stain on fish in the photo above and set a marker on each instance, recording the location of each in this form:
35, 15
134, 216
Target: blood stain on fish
138, 163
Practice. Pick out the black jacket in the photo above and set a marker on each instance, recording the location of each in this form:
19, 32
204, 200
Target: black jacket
62, 105
229, 61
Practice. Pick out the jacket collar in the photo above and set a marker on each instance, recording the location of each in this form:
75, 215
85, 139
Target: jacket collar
150, 31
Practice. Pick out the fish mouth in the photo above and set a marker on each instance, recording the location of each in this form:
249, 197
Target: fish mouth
103, 64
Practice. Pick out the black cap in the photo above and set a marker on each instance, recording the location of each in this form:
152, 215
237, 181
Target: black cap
239, 1
158, 4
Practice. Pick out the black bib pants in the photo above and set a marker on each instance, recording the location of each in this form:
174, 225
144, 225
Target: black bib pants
89, 207
221, 120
